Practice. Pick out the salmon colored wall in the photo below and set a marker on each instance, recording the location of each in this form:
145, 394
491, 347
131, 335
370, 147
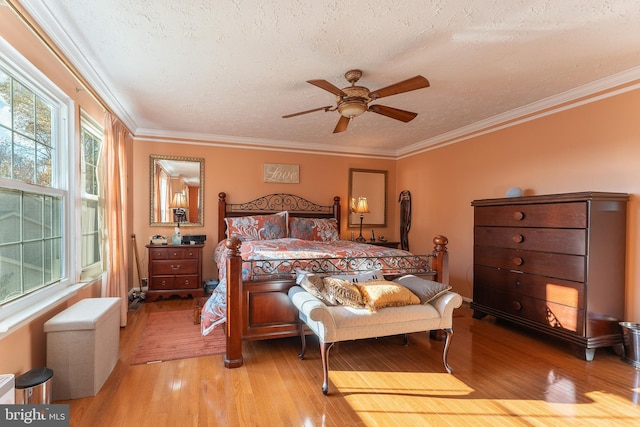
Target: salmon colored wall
594, 147
239, 173
25, 348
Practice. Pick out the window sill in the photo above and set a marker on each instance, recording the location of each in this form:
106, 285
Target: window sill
17, 320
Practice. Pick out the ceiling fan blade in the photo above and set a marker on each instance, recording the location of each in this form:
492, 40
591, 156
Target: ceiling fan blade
308, 111
323, 84
342, 124
417, 82
394, 113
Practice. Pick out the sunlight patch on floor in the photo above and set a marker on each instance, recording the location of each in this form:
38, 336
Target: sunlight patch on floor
442, 399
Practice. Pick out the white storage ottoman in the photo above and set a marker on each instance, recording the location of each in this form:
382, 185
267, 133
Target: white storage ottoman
83, 346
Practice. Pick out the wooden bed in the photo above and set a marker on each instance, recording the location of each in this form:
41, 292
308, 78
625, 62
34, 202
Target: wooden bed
258, 307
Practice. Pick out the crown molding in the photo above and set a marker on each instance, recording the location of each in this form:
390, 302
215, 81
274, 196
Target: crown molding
260, 144
607, 87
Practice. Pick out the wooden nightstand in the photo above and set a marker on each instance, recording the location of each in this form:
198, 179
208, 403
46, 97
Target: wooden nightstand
175, 270
393, 245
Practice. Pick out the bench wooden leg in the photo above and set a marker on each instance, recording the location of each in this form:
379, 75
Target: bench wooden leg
447, 341
324, 354
303, 341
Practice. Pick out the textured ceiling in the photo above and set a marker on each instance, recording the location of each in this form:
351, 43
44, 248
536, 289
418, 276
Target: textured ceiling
228, 70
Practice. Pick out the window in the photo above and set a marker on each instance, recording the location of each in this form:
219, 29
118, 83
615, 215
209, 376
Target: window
35, 177
91, 136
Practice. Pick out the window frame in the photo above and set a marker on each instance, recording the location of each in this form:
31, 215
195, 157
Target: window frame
94, 270
18, 312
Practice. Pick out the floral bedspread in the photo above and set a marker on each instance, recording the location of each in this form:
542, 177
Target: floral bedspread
214, 311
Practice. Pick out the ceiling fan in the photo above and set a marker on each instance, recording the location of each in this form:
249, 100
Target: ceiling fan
352, 101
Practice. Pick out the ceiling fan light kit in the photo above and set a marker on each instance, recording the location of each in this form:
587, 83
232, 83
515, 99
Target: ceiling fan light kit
352, 101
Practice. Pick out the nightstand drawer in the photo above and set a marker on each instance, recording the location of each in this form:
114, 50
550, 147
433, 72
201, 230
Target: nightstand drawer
181, 266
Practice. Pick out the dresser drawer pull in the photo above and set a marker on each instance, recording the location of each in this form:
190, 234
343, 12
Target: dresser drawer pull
163, 283
516, 305
518, 215
517, 260
175, 267
518, 238
186, 283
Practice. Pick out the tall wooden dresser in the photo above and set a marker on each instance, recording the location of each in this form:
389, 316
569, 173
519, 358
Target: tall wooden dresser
175, 270
553, 263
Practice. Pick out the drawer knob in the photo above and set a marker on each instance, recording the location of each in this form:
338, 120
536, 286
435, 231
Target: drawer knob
516, 305
517, 260
163, 283
518, 215
186, 283
518, 238
175, 267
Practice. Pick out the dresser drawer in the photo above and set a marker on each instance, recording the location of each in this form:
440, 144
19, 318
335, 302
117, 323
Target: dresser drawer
560, 240
549, 314
180, 266
559, 215
545, 288
173, 253
562, 266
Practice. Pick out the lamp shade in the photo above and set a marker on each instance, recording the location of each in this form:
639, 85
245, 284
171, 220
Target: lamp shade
179, 201
362, 206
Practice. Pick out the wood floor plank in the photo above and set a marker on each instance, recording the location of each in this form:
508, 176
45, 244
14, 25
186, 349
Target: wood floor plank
503, 375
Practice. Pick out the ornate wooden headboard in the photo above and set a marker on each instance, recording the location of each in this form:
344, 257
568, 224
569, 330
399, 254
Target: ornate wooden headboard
273, 203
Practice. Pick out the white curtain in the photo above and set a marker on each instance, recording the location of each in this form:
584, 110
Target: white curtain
113, 168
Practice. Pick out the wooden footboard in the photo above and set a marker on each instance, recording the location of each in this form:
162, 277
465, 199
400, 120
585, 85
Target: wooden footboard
262, 310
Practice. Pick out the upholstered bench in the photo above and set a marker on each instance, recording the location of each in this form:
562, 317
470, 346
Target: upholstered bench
334, 323
83, 346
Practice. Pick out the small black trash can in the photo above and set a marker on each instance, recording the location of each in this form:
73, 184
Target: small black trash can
631, 338
34, 387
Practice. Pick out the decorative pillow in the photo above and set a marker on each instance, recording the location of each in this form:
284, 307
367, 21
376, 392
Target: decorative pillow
312, 283
343, 292
382, 293
426, 290
258, 227
320, 229
364, 276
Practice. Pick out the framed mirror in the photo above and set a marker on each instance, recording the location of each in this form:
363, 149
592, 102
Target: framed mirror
176, 191
370, 185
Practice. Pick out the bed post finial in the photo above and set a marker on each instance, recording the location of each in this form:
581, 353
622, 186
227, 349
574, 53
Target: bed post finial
233, 246
336, 210
222, 212
440, 260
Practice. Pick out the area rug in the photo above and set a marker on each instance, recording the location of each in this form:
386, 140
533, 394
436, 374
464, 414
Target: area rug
171, 335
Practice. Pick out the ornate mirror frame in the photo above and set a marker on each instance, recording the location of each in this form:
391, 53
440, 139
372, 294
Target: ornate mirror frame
181, 174
371, 184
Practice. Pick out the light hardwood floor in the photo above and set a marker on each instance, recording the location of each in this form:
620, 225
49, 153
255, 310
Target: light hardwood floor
503, 376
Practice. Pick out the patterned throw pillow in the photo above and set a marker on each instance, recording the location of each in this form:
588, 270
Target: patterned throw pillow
314, 284
257, 227
319, 229
382, 293
426, 290
343, 292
